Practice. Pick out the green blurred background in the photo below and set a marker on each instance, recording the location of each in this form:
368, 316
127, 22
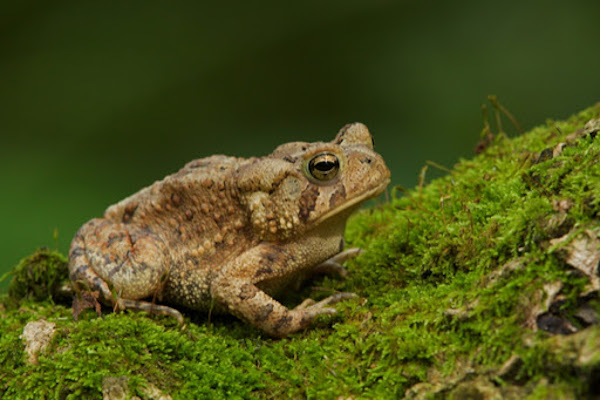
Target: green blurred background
99, 99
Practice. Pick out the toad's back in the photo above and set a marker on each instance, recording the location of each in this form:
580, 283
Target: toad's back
196, 220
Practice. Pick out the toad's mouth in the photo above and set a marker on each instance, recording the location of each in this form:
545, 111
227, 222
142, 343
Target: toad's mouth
353, 202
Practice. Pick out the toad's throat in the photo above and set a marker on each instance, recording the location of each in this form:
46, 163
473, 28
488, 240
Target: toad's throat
353, 202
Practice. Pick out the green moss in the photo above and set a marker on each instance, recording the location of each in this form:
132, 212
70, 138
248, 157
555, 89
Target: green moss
451, 282
38, 277
188, 362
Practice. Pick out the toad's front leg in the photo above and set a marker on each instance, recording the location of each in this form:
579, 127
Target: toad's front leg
236, 287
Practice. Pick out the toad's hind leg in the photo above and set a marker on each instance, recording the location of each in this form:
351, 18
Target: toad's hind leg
121, 264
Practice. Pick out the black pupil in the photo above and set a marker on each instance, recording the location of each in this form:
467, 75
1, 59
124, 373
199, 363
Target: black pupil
325, 166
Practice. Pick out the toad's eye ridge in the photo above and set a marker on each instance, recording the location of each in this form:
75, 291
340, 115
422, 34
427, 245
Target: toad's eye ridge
324, 166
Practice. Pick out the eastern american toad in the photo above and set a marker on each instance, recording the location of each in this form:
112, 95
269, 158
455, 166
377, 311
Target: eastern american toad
226, 234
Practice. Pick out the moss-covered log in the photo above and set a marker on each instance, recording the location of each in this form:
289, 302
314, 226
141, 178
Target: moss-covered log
481, 284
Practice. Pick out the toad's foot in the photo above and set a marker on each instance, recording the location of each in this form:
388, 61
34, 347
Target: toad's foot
310, 303
148, 307
333, 266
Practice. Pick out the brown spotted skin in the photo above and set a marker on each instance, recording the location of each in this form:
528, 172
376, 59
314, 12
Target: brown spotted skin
227, 234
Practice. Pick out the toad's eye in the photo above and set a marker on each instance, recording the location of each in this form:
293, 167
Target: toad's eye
324, 166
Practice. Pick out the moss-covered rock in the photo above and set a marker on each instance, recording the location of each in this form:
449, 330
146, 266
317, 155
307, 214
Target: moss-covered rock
482, 284
38, 277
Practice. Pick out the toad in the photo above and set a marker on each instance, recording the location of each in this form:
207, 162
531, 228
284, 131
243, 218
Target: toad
227, 234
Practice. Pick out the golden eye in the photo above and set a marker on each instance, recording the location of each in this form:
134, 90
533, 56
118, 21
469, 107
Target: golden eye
324, 166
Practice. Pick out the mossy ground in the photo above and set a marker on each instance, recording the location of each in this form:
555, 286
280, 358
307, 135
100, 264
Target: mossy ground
449, 283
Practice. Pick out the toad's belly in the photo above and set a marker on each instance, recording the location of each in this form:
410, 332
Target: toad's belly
189, 287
